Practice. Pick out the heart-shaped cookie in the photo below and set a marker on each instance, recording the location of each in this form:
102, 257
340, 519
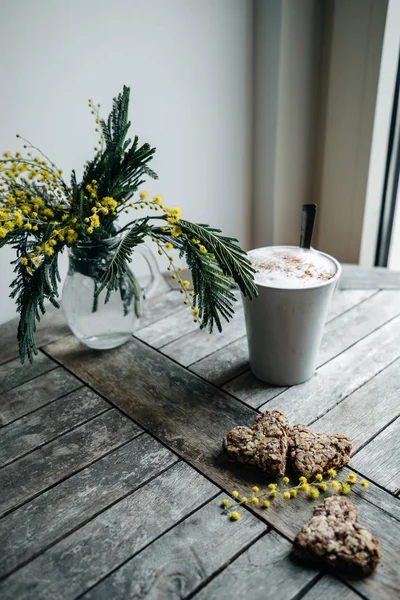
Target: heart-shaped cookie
335, 537
312, 453
262, 445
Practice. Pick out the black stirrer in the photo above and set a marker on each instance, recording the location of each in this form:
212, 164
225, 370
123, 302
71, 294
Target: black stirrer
307, 224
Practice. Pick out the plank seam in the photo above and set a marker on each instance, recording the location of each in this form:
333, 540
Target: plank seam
85, 384
189, 514
372, 295
54, 366
175, 310
65, 535
241, 337
49, 441
362, 446
223, 567
47, 403
301, 593
347, 582
380, 486
14, 508
244, 336
360, 340
352, 392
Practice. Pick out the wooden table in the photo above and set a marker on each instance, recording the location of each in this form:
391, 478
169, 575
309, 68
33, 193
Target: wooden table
111, 472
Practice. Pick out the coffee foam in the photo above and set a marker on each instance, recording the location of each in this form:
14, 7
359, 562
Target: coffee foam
289, 267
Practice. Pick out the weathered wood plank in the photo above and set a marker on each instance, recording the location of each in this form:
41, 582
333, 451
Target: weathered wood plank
332, 589
385, 582
358, 322
36, 393
224, 364
341, 376
251, 390
289, 517
79, 561
340, 334
169, 328
13, 373
264, 571
79, 498
182, 559
191, 347
179, 407
47, 423
355, 277
32, 474
51, 327
164, 304
233, 360
368, 410
192, 416
380, 459
344, 300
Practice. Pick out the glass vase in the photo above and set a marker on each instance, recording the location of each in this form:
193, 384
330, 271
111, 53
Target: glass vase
96, 323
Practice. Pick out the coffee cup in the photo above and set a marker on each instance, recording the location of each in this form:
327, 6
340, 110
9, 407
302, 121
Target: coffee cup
285, 322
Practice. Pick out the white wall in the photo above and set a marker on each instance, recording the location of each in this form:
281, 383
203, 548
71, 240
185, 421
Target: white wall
188, 63
286, 86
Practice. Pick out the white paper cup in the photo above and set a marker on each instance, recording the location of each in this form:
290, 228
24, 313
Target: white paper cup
285, 327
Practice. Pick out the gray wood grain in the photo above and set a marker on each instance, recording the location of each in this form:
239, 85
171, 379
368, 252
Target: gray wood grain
339, 335
331, 588
47, 423
80, 560
344, 300
194, 346
13, 373
36, 393
164, 304
385, 583
380, 459
355, 277
192, 416
181, 409
233, 360
358, 322
251, 390
341, 376
366, 411
170, 328
372, 505
51, 327
264, 571
22, 480
224, 364
182, 559
78, 499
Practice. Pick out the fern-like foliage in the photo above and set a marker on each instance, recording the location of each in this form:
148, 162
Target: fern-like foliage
122, 166
30, 291
228, 254
217, 264
118, 274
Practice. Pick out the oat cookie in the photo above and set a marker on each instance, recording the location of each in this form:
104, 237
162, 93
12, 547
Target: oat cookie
312, 453
335, 537
263, 445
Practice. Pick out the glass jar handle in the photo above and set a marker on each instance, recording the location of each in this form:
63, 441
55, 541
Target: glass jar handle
153, 267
